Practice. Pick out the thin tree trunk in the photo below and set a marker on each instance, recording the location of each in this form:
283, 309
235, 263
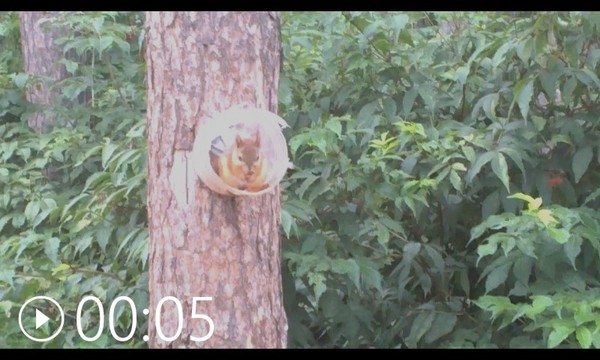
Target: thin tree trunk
203, 244
40, 58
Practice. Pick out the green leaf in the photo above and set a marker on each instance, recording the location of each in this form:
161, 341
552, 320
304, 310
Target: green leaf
591, 197
382, 44
515, 157
526, 246
584, 337
7, 276
122, 44
495, 304
548, 78
5, 307
522, 269
456, 181
372, 278
523, 92
572, 248
490, 205
541, 43
398, 22
104, 43
73, 202
334, 125
588, 78
18, 220
558, 335
487, 249
51, 247
561, 236
318, 282
469, 153
497, 277
389, 109
420, 326
479, 163
439, 264
459, 166
3, 221
31, 210
581, 162
20, 80
286, 222
124, 156
107, 151
488, 104
406, 38
350, 267
524, 50
461, 74
410, 250
103, 235
427, 94
96, 178
500, 168
508, 244
80, 225
365, 115
532, 204
305, 184
500, 53
3, 175
408, 100
97, 23
539, 304
71, 66
442, 325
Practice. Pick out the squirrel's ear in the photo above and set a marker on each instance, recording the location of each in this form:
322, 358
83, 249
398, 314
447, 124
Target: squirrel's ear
239, 141
257, 137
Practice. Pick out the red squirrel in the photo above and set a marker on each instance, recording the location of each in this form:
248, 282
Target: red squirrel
244, 166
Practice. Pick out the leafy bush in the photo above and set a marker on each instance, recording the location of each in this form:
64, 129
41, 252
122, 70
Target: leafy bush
79, 229
406, 137
553, 254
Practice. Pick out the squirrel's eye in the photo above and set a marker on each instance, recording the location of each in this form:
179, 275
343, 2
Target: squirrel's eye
240, 158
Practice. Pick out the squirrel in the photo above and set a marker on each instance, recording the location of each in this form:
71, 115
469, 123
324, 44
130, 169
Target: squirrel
243, 166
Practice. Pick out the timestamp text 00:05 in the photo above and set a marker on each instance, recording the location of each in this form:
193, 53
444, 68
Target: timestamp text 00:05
159, 332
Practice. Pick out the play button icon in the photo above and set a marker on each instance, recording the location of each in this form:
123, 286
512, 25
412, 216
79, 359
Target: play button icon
41, 318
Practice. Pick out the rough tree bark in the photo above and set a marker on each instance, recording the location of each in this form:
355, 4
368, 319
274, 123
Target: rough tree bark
209, 244
40, 58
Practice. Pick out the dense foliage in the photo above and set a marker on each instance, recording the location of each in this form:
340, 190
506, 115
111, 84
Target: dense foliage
410, 133
444, 191
82, 230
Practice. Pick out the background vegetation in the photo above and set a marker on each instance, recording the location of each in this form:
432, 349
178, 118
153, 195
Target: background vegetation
444, 192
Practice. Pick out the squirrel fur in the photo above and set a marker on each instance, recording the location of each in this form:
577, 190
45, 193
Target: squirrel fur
243, 165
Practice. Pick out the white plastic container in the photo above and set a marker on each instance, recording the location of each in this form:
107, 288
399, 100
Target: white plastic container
220, 132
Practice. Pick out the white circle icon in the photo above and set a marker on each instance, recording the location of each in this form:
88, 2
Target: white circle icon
41, 319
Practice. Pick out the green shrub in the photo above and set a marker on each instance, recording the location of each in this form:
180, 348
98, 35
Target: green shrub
72, 208
406, 140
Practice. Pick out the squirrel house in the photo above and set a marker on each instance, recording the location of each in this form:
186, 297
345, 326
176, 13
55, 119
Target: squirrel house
241, 152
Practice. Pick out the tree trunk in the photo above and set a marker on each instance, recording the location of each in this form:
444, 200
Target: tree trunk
203, 244
40, 58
